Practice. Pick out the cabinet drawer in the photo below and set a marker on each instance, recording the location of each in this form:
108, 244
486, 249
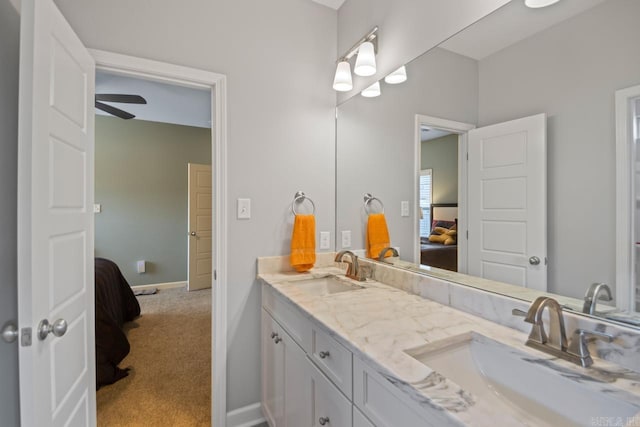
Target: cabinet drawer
298, 326
329, 406
360, 420
333, 359
387, 406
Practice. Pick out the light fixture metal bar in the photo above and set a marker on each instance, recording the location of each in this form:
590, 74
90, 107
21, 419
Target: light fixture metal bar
371, 36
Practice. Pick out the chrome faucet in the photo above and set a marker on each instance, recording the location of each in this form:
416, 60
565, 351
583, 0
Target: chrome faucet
593, 295
353, 269
383, 252
575, 351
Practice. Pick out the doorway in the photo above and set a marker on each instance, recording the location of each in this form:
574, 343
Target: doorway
216, 85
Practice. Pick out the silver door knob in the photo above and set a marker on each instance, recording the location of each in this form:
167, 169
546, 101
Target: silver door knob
193, 233
534, 260
9, 333
323, 420
323, 354
57, 328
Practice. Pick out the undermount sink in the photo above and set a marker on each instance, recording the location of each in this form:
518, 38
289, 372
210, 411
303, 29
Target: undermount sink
520, 386
326, 286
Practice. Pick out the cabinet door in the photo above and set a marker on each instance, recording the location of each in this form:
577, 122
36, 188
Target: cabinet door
272, 372
360, 420
297, 394
329, 407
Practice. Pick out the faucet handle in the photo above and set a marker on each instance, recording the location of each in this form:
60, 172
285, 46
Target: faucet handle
578, 344
518, 312
581, 334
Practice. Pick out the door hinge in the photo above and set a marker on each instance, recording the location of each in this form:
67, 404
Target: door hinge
467, 156
467, 234
25, 337
215, 274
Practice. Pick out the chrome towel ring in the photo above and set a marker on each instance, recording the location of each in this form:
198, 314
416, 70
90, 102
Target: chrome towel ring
300, 197
368, 198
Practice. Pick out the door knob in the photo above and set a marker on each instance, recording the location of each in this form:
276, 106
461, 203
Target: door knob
323, 354
193, 233
9, 333
323, 420
534, 260
57, 328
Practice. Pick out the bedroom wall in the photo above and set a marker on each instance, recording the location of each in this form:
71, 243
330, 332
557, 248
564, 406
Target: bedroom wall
441, 155
583, 74
9, 52
279, 59
141, 182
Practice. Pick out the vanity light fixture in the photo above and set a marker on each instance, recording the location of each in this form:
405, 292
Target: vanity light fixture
372, 91
398, 76
536, 4
342, 81
365, 64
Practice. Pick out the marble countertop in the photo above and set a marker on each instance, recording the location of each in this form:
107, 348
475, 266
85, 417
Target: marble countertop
379, 323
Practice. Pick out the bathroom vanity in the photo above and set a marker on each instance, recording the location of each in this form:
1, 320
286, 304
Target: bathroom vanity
339, 352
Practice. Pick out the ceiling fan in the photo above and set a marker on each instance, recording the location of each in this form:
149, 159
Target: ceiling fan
126, 99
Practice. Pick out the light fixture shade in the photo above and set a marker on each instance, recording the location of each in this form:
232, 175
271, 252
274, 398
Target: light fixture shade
398, 76
372, 91
366, 60
535, 4
342, 81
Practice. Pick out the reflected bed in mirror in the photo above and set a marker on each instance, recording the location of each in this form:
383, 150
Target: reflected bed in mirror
513, 120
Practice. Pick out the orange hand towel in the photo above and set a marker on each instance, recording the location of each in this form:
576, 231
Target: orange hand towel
377, 235
303, 243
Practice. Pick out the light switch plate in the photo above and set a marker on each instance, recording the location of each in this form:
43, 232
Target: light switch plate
325, 240
244, 208
404, 208
97, 208
346, 238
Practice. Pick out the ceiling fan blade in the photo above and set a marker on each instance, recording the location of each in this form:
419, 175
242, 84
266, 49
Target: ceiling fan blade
114, 111
127, 99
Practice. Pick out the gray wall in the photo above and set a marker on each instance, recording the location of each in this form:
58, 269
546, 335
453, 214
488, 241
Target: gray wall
9, 52
408, 28
571, 72
279, 58
141, 181
441, 155
376, 141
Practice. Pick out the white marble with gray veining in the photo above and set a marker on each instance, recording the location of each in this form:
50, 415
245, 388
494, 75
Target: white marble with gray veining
380, 322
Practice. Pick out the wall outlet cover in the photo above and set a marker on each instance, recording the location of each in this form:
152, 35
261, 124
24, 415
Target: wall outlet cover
346, 238
404, 208
244, 208
97, 208
325, 240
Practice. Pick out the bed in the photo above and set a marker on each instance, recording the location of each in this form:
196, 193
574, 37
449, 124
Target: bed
115, 304
437, 254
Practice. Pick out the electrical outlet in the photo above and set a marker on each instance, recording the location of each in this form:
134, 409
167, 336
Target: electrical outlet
346, 238
325, 240
404, 208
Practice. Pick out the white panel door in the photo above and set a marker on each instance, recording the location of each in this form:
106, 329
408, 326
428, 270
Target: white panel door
200, 229
508, 202
55, 220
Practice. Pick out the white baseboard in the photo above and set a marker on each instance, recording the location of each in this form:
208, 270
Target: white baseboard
167, 285
248, 416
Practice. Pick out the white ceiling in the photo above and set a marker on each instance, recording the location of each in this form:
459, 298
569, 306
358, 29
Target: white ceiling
510, 24
427, 134
165, 103
333, 4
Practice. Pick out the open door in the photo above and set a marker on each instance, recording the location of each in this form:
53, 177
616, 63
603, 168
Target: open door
508, 202
200, 227
55, 222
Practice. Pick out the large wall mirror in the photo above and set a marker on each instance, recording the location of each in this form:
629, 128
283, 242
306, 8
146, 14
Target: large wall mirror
497, 157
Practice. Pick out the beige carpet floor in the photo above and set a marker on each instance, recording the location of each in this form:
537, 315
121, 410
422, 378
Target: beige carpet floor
170, 379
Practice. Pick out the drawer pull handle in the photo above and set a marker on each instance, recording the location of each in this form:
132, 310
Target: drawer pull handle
273, 335
323, 420
323, 354
277, 340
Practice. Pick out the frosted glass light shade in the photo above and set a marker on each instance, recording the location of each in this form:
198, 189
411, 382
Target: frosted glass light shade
535, 4
372, 91
366, 60
342, 81
398, 76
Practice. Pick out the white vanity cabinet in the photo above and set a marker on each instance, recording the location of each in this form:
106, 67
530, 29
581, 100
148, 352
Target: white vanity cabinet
309, 379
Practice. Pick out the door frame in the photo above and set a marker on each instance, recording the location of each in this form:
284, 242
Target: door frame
625, 199
217, 84
461, 129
